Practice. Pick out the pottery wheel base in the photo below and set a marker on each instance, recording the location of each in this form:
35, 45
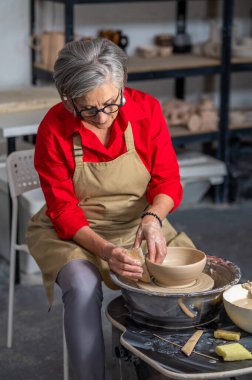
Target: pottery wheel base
204, 282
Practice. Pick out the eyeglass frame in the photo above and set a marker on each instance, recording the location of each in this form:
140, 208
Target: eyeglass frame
79, 112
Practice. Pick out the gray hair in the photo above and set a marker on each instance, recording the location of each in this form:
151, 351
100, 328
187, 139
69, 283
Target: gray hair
82, 66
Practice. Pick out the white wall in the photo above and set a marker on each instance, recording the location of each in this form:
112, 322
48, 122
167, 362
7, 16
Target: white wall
14, 43
140, 21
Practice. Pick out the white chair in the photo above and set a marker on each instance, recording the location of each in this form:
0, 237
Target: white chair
22, 177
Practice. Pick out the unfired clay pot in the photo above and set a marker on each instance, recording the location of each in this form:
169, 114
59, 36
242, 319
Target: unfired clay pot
238, 306
181, 267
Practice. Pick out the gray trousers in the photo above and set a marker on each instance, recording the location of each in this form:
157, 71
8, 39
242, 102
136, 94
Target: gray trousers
80, 282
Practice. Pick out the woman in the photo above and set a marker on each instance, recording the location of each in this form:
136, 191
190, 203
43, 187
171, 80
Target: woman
110, 176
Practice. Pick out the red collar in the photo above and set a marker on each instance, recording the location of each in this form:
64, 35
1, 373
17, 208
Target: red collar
131, 111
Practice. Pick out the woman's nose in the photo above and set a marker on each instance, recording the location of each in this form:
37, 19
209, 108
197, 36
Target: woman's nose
101, 117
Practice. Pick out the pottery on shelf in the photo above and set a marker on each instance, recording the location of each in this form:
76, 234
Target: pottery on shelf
151, 51
212, 47
48, 44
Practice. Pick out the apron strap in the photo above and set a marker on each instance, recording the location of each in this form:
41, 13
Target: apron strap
77, 149
129, 139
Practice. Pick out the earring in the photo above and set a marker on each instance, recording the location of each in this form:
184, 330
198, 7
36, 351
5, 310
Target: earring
123, 100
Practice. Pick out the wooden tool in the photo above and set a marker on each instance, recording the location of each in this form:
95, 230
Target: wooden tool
191, 343
179, 345
137, 254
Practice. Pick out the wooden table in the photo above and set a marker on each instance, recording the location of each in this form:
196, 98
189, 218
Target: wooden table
13, 125
22, 109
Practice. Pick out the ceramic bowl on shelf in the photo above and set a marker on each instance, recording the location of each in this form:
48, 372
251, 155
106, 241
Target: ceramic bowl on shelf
247, 41
147, 51
182, 266
238, 306
242, 51
163, 39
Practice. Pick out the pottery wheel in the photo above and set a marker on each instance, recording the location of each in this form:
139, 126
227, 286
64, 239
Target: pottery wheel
204, 282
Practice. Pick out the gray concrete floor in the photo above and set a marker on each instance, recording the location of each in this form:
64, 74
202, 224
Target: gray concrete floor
224, 231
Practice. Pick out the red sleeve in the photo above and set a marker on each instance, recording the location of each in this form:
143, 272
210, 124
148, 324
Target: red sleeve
165, 177
55, 173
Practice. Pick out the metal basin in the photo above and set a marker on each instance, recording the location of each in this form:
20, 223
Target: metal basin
180, 310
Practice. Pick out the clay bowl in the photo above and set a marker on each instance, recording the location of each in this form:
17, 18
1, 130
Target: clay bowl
180, 268
239, 312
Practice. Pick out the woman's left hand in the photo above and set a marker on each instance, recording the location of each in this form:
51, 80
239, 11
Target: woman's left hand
151, 231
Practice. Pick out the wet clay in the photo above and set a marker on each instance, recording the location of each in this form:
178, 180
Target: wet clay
244, 302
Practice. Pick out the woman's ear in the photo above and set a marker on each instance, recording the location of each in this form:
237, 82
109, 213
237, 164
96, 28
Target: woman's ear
68, 105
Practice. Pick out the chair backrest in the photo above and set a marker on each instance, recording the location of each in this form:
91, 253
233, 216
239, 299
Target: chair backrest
21, 173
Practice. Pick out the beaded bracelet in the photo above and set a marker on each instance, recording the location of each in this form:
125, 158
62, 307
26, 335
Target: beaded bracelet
153, 214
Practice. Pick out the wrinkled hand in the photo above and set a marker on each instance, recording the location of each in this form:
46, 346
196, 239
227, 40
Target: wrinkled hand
153, 234
121, 263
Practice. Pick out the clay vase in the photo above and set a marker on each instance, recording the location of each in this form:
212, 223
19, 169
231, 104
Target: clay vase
115, 36
48, 44
181, 267
212, 48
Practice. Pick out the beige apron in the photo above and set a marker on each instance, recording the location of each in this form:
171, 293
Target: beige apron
112, 196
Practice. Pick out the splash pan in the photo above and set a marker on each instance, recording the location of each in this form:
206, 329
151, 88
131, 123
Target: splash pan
180, 309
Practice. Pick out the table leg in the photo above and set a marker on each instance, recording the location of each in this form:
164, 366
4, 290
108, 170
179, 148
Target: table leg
11, 147
123, 367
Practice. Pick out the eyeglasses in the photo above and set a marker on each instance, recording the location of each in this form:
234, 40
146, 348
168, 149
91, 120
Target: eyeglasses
92, 112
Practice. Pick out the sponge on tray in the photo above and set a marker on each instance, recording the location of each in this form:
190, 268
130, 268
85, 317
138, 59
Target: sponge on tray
232, 352
227, 335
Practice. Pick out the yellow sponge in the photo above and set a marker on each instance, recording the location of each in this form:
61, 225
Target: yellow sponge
232, 352
227, 335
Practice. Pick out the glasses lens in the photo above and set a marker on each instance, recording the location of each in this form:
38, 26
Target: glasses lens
89, 113
111, 108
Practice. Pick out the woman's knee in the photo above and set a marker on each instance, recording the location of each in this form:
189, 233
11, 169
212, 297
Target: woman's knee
80, 278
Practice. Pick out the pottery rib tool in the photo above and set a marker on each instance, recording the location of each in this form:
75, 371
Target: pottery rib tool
179, 345
191, 343
137, 254
185, 309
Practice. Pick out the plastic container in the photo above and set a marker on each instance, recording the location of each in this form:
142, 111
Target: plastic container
198, 173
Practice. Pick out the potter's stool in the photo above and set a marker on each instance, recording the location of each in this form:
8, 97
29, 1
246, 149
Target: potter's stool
135, 346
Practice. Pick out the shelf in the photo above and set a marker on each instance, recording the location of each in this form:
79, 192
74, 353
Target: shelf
235, 130
72, 2
181, 135
177, 65
241, 64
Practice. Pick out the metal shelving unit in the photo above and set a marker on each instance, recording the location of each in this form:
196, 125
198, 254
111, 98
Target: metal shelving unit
173, 68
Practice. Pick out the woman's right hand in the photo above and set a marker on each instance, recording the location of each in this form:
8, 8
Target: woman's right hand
121, 263
117, 257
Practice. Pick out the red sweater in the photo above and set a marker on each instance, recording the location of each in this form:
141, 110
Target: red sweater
55, 164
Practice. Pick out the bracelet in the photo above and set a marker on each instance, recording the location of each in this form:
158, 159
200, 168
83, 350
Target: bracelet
152, 214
